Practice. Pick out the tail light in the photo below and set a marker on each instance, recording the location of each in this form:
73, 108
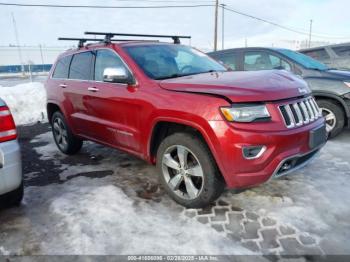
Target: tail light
7, 125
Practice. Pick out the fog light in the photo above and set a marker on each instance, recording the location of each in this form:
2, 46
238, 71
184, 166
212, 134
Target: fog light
253, 152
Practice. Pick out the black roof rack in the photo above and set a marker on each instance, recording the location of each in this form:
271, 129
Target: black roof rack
109, 36
82, 41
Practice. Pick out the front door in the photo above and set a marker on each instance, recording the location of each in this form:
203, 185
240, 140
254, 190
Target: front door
113, 106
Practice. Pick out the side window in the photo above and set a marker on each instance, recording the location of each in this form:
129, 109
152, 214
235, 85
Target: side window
229, 59
104, 59
256, 61
81, 66
318, 54
62, 67
342, 50
278, 63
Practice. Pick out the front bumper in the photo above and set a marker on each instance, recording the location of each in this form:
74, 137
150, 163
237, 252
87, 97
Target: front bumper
288, 146
10, 166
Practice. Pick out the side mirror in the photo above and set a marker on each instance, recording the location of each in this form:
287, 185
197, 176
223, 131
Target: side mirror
117, 75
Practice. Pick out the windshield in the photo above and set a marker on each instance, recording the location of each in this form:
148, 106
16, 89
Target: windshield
304, 60
160, 61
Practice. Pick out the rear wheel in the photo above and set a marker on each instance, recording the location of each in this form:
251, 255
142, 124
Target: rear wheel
334, 116
65, 140
188, 171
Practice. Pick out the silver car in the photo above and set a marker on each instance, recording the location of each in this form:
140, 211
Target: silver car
11, 179
334, 56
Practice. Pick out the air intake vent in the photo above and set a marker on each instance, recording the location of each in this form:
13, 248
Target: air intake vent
300, 113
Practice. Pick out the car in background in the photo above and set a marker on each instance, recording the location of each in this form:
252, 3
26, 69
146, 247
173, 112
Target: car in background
331, 88
11, 180
334, 56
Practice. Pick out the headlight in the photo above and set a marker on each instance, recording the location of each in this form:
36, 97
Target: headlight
245, 113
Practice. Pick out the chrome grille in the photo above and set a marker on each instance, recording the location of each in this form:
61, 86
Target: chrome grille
300, 113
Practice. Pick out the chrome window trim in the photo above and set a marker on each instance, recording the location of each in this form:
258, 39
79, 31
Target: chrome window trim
93, 80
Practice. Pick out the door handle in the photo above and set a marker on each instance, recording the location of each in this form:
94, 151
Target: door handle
93, 89
63, 85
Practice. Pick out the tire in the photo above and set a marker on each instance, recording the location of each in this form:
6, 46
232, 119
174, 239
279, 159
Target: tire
13, 198
194, 181
334, 115
66, 142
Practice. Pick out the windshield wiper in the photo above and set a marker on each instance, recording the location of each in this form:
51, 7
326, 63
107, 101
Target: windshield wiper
168, 77
189, 74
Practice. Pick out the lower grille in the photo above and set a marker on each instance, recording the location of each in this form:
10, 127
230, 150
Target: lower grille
300, 113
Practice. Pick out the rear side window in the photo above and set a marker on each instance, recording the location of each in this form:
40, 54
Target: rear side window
105, 59
318, 54
229, 59
62, 67
81, 66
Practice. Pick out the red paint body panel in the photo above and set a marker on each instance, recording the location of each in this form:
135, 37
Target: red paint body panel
124, 116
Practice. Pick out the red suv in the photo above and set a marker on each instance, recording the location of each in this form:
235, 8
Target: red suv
204, 127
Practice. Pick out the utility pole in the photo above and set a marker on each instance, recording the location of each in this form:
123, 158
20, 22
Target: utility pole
223, 26
42, 57
310, 33
17, 42
216, 25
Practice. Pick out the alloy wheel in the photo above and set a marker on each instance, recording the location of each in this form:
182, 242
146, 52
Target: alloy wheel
182, 172
60, 132
331, 120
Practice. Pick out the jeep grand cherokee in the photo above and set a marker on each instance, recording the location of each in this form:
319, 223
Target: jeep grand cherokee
204, 127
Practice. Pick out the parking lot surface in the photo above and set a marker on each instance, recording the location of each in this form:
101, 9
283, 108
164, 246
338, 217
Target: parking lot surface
104, 202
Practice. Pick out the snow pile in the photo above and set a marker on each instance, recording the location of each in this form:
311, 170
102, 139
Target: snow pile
90, 217
27, 102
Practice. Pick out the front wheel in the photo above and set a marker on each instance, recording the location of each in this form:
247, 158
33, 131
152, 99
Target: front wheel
66, 142
188, 171
333, 115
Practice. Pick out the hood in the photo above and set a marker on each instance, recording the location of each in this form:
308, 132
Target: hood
254, 86
338, 74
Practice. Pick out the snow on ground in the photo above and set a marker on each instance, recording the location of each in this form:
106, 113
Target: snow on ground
315, 199
88, 216
27, 102
99, 216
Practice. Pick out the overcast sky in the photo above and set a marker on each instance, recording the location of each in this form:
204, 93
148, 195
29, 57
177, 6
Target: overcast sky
40, 25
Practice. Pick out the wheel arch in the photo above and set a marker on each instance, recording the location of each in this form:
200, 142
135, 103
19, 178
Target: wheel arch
165, 127
338, 100
51, 108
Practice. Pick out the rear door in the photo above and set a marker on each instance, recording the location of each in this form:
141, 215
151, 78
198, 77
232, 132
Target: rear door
76, 91
113, 107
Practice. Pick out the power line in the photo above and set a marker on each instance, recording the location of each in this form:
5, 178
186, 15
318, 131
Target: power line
106, 7
175, 6
279, 25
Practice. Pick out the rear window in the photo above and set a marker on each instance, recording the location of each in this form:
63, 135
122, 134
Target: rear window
62, 67
81, 66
